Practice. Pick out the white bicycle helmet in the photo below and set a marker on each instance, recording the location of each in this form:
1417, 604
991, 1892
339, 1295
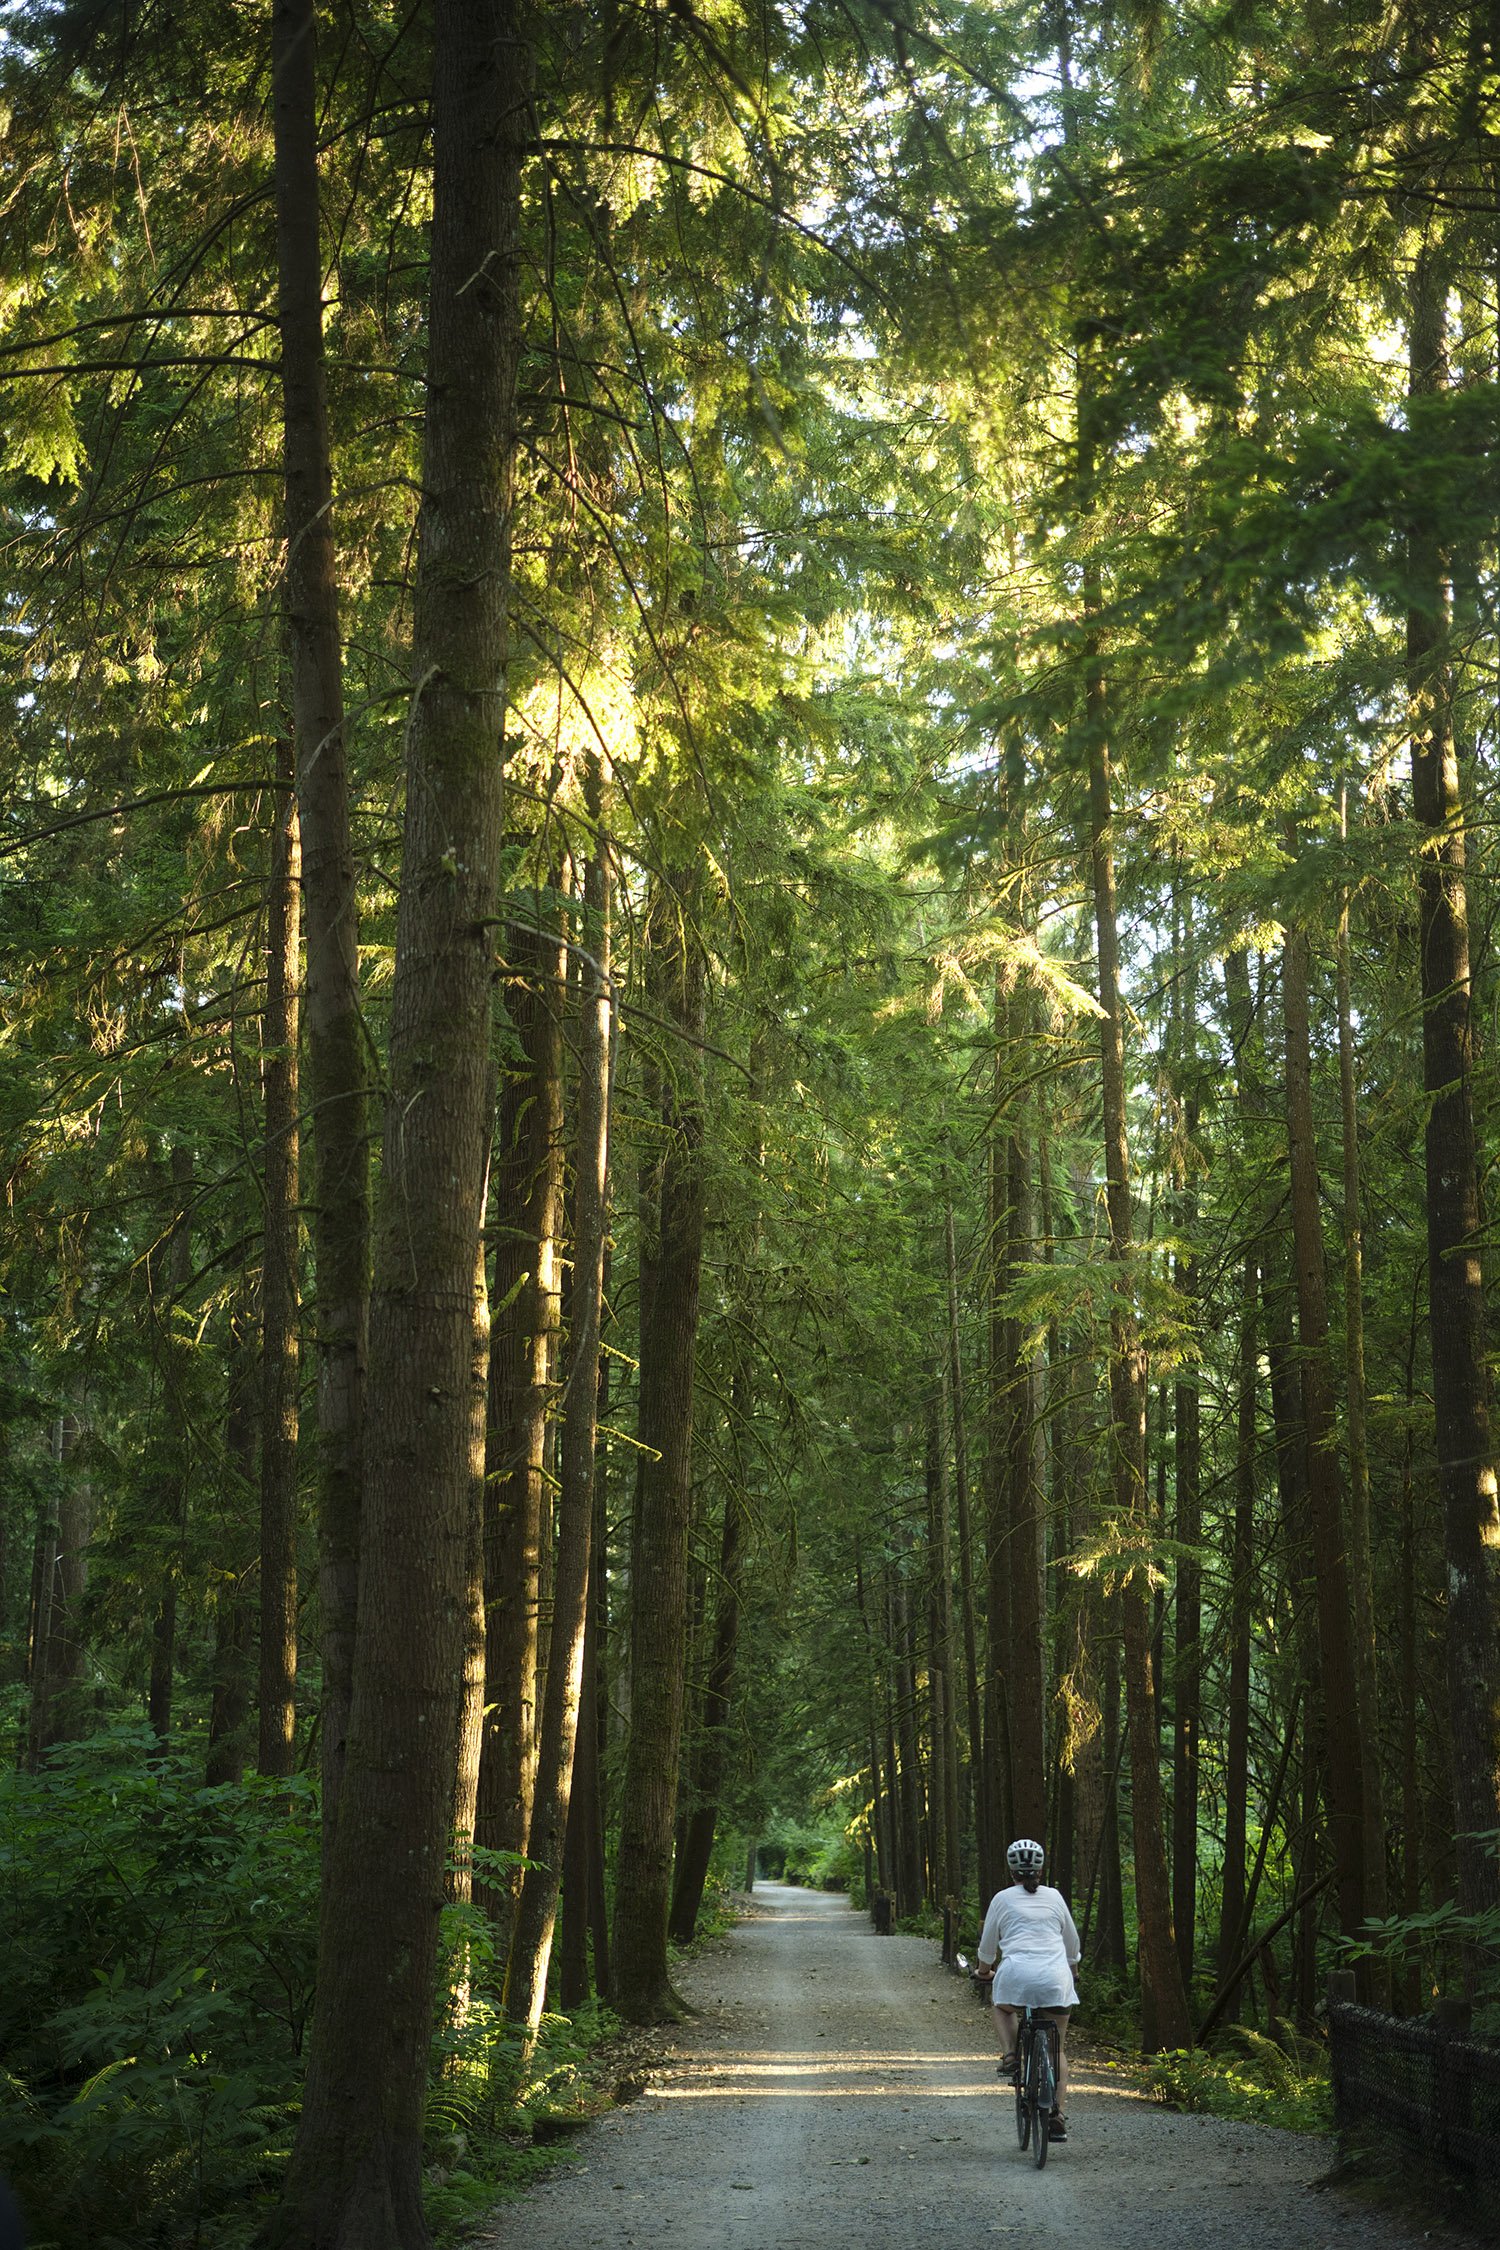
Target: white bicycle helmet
1025, 1858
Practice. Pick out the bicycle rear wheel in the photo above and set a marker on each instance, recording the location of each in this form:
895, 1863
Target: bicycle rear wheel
1024, 2046
1043, 2093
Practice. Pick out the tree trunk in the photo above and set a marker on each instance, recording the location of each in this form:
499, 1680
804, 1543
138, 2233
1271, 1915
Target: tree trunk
998, 1775
1187, 1663
59, 1583
1187, 1657
911, 1860
979, 1795
279, 1334
528, 1204
1109, 1949
1341, 1714
1241, 1573
711, 1755
230, 1705
337, 1061
712, 1760
671, 1268
940, 1665
881, 1822
531, 1943
1460, 1383
170, 1271
355, 2177
1407, 1597
1164, 2012
1361, 1565
573, 1945
1026, 1676
39, 1617
472, 1689
596, 1676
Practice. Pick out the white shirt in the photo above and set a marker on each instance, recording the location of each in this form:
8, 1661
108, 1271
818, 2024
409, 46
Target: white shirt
1032, 1932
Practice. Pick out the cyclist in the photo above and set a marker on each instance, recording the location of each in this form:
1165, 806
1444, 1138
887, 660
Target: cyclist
1030, 1932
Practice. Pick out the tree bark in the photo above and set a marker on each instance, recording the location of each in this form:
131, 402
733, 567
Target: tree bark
1187, 1655
355, 2177
999, 1826
1109, 1949
1241, 1570
1460, 1382
59, 1583
940, 1663
1026, 1677
671, 1269
979, 1795
280, 1344
1361, 1564
710, 1763
1187, 1662
169, 1277
531, 1942
712, 1760
911, 1856
528, 1202
1164, 2011
337, 1060
472, 1689
1340, 1688
231, 1703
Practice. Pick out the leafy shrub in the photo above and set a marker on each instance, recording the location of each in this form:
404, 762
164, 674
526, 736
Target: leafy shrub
1261, 2086
1445, 1946
818, 1853
495, 2116
155, 1999
156, 1993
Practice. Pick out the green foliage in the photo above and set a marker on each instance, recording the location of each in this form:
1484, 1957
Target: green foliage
158, 1986
1111, 2007
1441, 1949
496, 2115
159, 1966
1258, 2084
718, 1911
815, 1851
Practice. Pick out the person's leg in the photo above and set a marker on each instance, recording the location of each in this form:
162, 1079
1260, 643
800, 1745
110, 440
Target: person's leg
1060, 2018
1005, 2025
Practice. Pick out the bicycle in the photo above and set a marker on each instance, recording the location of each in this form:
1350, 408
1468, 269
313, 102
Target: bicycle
1037, 2058
1037, 2061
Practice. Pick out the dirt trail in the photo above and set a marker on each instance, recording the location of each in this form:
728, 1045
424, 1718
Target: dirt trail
840, 2088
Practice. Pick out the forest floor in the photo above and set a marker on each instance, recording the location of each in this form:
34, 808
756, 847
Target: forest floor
835, 2088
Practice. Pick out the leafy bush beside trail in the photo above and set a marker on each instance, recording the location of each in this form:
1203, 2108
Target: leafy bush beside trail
1249, 2078
160, 1946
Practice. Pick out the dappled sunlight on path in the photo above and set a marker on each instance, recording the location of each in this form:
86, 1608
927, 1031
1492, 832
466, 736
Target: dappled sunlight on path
835, 2087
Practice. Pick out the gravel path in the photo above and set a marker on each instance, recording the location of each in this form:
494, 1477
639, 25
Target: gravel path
839, 2089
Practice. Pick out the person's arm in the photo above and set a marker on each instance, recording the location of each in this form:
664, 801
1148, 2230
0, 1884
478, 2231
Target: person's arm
1071, 1946
989, 1942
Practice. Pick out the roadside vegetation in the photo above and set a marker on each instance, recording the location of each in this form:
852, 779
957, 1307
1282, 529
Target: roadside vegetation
748, 1082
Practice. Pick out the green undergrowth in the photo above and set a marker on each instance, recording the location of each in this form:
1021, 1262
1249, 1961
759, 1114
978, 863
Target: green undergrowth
719, 1911
1247, 2077
155, 1994
1109, 2014
497, 2117
817, 1852
156, 1989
